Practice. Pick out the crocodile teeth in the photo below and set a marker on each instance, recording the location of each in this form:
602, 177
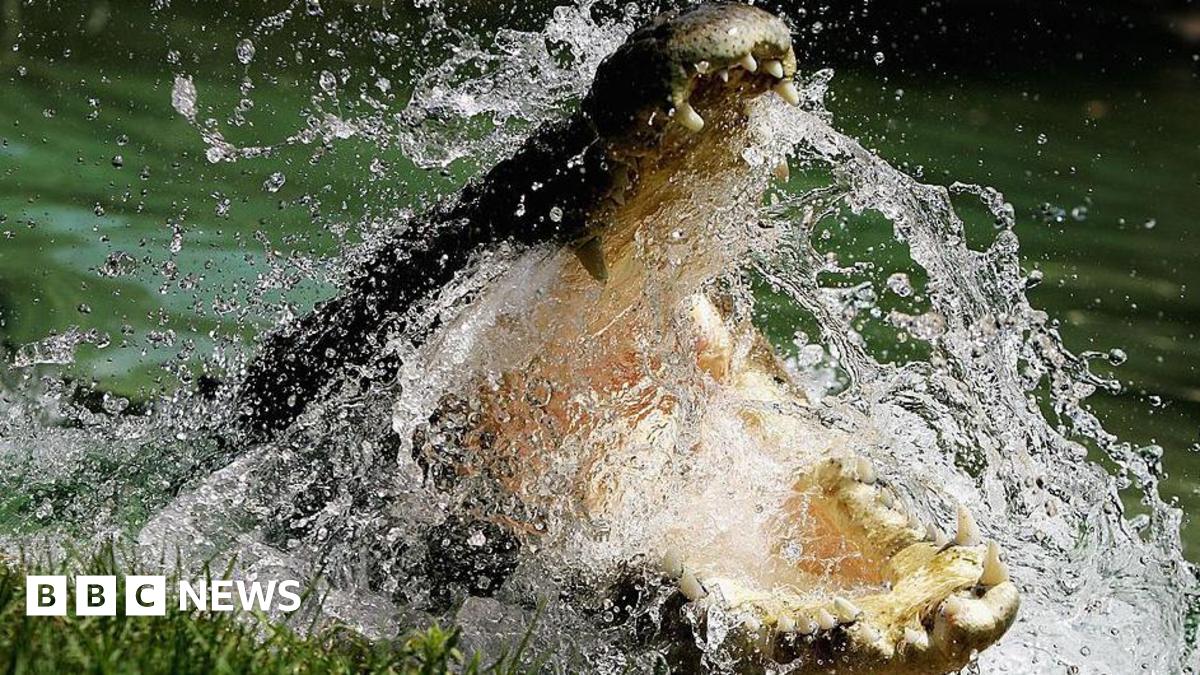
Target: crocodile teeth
724, 75
995, 572
868, 634
774, 68
702, 67
825, 620
787, 91
968, 530
672, 564
691, 587
887, 498
952, 606
748, 63
688, 117
866, 471
940, 539
846, 611
914, 522
785, 624
916, 638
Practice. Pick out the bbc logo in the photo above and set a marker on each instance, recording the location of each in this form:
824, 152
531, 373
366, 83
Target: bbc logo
146, 595
46, 595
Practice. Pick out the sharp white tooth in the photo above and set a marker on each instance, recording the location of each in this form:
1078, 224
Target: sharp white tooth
866, 471
968, 530
691, 587
941, 539
868, 634
748, 62
787, 91
915, 523
916, 638
995, 572
672, 564
846, 611
702, 67
774, 68
724, 75
785, 624
934, 533
825, 620
688, 117
951, 606
887, 498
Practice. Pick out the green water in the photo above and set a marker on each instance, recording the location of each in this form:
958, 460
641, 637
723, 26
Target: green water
1104, 174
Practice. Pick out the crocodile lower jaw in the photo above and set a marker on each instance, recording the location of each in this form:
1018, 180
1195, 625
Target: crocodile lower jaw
935, 603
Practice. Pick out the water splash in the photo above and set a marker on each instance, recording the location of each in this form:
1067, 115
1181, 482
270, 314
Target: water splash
991, 412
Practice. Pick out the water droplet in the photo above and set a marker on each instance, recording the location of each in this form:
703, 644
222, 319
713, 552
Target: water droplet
245, 51
1117, 356
118, 161
44, 510
328, 81
878, 58
113, 404
274, 182
899, 284
183, 96
1150, 224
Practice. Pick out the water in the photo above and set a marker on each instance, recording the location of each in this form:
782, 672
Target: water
935, 347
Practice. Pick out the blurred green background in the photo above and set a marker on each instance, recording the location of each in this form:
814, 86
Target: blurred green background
111, 217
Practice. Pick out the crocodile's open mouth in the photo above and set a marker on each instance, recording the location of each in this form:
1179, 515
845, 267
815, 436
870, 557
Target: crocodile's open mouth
858, 583
585, 372
665, 70
632, 395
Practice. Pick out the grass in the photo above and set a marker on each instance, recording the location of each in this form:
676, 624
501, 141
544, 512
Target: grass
213, 642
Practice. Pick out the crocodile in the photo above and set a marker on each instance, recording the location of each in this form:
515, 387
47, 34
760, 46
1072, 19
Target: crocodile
621, 385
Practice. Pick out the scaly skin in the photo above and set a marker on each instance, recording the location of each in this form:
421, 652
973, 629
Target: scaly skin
623, 368
556, 187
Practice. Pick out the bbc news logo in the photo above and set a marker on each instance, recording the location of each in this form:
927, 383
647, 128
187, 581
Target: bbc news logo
146, 595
